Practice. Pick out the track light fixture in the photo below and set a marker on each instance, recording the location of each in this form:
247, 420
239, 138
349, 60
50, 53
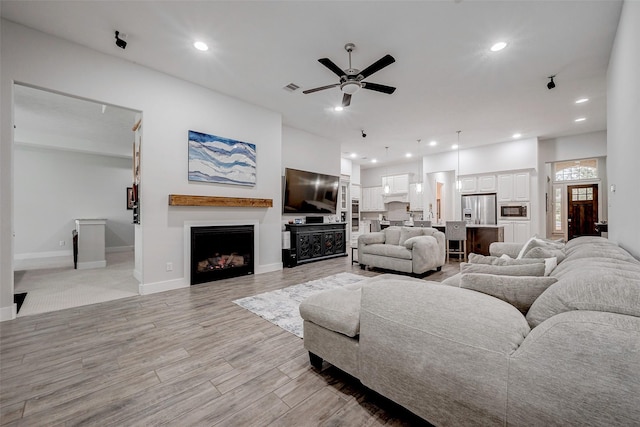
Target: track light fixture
364, 135
551, 84
120, 42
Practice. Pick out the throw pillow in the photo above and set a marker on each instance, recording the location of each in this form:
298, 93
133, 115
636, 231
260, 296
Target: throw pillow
409, 232
392, 235
536, 269
535, 242
520, 292
482, 259
540, 252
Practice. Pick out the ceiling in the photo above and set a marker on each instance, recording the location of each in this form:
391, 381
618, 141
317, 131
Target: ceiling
446, 77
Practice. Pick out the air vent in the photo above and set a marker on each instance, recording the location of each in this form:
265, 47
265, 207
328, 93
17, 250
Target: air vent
291, 87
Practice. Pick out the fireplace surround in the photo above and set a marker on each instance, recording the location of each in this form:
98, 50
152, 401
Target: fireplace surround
220, 252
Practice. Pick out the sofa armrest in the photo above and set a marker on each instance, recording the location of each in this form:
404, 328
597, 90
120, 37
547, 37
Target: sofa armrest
371, 238
431, 348
577, 368
501, 248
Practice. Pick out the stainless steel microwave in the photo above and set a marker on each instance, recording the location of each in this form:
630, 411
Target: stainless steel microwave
513, 210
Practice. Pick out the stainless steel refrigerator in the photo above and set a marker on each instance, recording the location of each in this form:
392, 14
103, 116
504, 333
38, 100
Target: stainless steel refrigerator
479, 208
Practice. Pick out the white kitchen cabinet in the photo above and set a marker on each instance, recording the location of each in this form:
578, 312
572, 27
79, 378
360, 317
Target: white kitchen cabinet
398, 184
516, 231
372, 199
416, 200
356, 192
469, 184
521, 186
513, 187
487, 184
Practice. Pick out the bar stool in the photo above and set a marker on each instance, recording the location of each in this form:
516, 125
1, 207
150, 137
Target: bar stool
422, 224
456, 231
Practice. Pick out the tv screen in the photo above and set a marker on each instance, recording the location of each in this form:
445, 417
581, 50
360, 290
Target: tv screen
310, 192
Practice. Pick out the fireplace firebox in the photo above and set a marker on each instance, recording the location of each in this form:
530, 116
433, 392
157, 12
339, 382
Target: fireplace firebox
221, 252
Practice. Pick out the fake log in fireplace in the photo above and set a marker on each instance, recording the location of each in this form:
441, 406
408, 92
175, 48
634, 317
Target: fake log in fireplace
221, 252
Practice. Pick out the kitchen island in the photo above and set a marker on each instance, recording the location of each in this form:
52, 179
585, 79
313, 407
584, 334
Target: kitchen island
480, 236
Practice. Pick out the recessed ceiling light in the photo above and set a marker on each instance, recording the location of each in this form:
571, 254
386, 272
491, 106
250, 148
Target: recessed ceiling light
353, 155
498, 46
433, 143
454, 147
201, 46
517, 135
374, 160
338, 108
408, 155
581, 119
581, 100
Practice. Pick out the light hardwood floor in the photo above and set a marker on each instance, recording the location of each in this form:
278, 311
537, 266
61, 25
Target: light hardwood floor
188, 357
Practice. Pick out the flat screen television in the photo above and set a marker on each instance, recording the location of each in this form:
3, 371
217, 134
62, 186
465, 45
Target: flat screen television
309, 192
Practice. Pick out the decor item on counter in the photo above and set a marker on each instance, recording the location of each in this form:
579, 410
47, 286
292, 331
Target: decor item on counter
281, 307
221, 160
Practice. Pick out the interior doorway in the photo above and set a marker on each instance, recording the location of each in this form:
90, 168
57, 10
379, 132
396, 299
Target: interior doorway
582, 210
72, 160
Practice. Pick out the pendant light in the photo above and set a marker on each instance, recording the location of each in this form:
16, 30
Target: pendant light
458, 183
419, 183
386, 186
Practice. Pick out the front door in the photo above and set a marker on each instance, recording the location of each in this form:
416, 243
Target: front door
582, 211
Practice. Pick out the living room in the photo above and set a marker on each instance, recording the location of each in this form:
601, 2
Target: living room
171, 106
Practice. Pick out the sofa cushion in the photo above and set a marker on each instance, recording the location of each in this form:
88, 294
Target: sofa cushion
386, 250
392, 235
408, 232
589, 287
519, 291
536, 269
336, 309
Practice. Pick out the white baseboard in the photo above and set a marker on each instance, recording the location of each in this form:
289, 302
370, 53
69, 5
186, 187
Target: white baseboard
92, 264
169, 285
137, 275
118, 249
8, 313
268, 268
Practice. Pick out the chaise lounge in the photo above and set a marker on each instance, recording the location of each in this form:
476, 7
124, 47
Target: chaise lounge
456, 356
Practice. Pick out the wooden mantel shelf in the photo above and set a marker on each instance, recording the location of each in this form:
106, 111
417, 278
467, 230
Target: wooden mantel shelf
186, 200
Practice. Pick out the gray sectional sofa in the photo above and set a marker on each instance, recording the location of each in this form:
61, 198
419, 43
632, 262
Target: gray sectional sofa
457, 356
413, 250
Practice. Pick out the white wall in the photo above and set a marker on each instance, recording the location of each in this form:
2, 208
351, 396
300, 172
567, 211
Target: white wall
623, 131
170, 108
54, 187
372, 177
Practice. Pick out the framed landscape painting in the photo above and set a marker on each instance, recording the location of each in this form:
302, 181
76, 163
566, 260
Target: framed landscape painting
221, 160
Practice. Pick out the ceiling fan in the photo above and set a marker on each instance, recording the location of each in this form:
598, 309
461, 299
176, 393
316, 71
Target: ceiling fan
351, 79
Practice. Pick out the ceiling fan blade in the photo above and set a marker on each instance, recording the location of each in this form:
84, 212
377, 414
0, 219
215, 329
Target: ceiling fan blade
378, 88
378, 65
346, 100
333, 67
320, 88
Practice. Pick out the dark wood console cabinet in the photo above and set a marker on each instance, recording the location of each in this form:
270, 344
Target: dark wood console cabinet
313, 242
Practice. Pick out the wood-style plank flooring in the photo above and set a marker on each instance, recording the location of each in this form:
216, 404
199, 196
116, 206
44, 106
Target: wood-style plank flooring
188, 357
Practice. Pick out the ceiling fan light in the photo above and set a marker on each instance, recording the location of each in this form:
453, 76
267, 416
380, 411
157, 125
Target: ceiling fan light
350, 87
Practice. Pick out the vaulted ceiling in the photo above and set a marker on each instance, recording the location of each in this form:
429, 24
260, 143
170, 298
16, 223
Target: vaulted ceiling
446, 77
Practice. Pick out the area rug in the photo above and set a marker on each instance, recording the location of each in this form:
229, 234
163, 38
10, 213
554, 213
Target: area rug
281, 307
